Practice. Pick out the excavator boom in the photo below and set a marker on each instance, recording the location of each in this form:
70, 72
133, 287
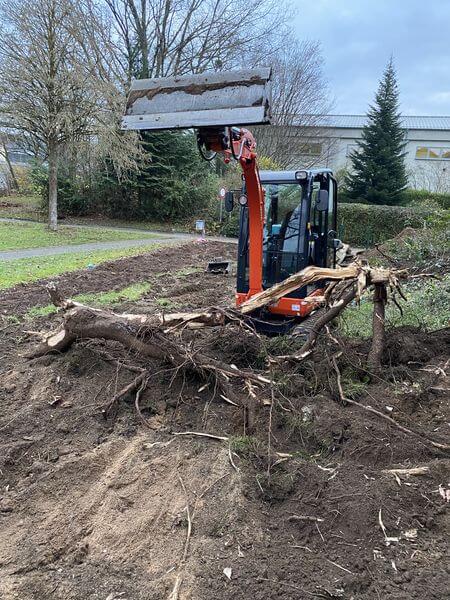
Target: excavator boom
216, 105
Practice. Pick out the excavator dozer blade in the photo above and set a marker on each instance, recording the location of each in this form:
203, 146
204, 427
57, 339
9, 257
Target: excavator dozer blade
195, 101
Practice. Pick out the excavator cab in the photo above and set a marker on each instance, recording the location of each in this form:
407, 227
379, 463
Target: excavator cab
299, 230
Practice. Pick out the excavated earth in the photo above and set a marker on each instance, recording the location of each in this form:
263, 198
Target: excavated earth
111, 509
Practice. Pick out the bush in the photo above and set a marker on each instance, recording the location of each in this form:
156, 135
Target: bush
358, 224
425, 198
369, 224
74, 197
426, 307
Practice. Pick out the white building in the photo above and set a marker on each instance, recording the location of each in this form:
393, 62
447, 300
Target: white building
427, 147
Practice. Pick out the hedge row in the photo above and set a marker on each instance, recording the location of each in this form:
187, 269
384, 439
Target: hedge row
363, 224
411, 198
368, 224
422, 197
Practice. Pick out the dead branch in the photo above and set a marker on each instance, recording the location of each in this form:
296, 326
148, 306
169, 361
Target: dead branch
336, 308
408, 472
140, 334
201, 434
138, 381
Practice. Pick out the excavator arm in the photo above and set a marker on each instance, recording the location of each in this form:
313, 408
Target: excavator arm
240, 144
213, 104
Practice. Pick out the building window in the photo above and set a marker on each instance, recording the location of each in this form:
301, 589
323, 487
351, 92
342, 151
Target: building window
312, 149
428, 153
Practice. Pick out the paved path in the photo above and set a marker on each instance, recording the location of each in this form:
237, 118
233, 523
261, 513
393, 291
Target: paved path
158, 238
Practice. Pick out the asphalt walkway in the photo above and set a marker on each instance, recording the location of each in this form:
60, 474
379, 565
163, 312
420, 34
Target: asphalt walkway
158, 238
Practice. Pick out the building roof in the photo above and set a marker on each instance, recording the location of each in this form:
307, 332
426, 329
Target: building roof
358, 121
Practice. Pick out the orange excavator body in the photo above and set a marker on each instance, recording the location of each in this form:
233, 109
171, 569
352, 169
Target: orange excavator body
212, 104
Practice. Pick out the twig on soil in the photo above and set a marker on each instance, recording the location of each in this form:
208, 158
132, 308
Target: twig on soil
294, 587
232, 463
387, 538
201, 434
305, 518
339, 566
407, 472
136, 401
178, 581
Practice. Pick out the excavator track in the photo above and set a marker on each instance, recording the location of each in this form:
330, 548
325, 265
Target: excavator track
304, 328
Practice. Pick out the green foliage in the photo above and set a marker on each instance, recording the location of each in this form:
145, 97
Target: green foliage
245, 445
174, 184
421, 247
378, 171
75, 196
426, 199
166, 303
427, 307
365, 224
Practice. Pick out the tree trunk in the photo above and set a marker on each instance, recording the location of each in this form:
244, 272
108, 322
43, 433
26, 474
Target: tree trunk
53, 185
379, 334
15, 185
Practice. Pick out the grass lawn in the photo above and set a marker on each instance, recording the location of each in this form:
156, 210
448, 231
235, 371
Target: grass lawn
25, 270
14, 236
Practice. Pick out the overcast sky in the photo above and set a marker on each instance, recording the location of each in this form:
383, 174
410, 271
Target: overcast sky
358, 37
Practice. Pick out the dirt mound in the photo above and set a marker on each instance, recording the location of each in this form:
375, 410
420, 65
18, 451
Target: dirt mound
106, 509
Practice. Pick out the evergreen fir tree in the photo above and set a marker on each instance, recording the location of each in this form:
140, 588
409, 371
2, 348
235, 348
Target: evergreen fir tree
378, 173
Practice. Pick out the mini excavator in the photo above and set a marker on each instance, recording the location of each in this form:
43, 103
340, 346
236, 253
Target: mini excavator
287, 218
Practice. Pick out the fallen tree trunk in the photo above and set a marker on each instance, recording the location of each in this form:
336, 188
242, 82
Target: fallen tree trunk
292, 283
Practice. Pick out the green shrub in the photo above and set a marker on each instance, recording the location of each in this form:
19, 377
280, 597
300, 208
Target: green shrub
426, 199
366, 224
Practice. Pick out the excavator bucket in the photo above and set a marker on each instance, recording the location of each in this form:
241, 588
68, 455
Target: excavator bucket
195, 101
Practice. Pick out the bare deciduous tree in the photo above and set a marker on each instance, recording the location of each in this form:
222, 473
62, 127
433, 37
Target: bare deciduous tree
432, 177
59, 83
43, 85
159, 38
300, 99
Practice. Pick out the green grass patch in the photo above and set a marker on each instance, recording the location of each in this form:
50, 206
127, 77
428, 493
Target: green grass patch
130, 293
14, 236
427, 307
244, 445
165, 303
25, 270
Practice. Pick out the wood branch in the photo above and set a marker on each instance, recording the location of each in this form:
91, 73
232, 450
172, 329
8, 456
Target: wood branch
193, 320
300, 279
142, 335
408, 472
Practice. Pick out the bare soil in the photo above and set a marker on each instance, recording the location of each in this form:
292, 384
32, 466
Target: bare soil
100, 509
